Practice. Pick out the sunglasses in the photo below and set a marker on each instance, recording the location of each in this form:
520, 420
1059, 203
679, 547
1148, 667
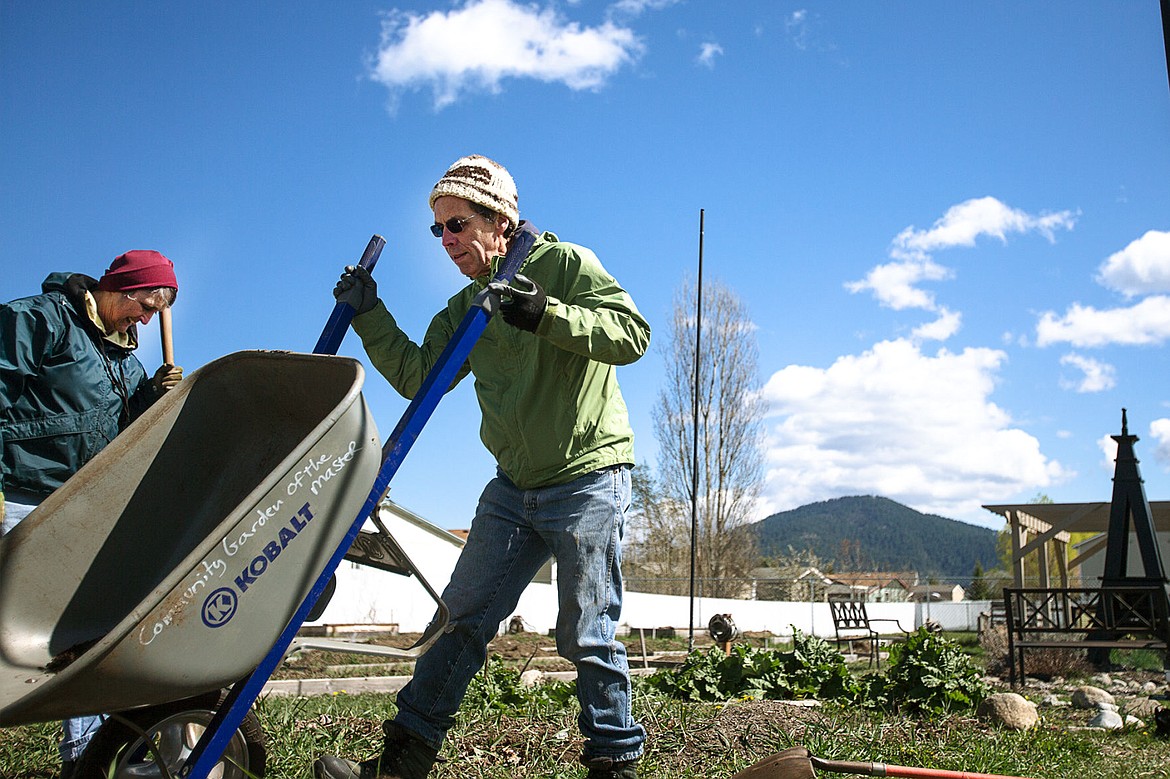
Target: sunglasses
453, 225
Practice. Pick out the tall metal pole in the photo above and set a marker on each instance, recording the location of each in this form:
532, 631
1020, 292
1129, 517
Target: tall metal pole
695, 443
1165, 6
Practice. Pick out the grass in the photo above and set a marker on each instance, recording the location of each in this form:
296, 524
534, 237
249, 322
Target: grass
706, 740
686, 740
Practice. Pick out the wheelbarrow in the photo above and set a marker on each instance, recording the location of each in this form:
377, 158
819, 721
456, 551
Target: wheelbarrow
162, 570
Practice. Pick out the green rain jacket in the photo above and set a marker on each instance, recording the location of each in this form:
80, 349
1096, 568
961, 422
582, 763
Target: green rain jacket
552, 409
65, 391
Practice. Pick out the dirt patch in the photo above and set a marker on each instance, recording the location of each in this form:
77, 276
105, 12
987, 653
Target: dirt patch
520, 650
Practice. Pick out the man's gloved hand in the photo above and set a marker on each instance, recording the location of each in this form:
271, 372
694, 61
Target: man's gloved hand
357, 288
166, 377
522, 308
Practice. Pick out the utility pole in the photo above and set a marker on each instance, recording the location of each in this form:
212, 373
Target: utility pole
695, 443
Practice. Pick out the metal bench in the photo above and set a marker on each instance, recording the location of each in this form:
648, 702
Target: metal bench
1131, 616
851, 622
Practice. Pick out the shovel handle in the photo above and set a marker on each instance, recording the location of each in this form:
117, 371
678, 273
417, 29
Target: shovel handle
168, 343
884, 769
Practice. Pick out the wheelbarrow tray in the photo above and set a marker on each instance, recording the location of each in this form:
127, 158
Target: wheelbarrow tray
167, 566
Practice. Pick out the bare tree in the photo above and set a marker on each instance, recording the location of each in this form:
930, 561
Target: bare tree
656, 556
730, 425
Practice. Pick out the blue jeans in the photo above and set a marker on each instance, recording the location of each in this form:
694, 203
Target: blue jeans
514, 533
76, 732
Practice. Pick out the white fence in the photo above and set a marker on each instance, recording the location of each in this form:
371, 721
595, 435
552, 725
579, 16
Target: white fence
367, 597
373, 597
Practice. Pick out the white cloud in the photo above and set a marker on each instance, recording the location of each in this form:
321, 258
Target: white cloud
1108, 449
637, 7
803, 29
947, 324
1096, 376
962, 224
896, 284
477, 46
1146, 323
897, 422
1160, 432
797, 27
1141, 268
708, 52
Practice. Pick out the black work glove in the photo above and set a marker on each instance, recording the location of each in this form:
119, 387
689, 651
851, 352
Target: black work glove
521, 308
357, 288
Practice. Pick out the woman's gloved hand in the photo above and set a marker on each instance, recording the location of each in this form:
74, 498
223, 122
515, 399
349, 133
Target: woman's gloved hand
166, 377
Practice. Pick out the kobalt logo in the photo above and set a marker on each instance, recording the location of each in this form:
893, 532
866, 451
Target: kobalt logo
219, 607
259, 564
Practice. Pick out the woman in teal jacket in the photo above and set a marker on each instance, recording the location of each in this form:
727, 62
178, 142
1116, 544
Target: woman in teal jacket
69, 383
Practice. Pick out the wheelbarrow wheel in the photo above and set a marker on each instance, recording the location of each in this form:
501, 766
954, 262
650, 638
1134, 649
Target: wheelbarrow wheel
118, 751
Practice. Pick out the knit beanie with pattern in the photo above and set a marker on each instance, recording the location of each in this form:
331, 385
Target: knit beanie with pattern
482, 181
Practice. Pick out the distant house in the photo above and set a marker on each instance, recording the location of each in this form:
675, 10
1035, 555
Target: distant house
873, 586
789, 583
937, 593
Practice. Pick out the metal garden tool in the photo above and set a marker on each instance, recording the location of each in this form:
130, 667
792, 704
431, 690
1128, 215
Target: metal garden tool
797, 763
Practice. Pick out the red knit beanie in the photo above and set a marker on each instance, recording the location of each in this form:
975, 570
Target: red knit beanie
139, 269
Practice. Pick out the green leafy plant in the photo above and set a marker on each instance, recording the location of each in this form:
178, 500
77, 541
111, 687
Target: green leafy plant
930, 673
497, 687
811, 669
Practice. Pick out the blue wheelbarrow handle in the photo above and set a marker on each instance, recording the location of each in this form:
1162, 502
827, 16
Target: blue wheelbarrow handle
338, 323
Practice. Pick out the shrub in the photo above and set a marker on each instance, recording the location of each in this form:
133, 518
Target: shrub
994, 641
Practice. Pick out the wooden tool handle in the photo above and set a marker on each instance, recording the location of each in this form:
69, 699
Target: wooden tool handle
168, 345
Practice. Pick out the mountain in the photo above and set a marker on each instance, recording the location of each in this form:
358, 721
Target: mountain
878, 534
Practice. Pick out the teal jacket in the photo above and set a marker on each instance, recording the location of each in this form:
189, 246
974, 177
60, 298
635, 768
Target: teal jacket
552, 409
65, 391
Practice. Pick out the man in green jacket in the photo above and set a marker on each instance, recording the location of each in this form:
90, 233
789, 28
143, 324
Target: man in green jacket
69, 383
554, 419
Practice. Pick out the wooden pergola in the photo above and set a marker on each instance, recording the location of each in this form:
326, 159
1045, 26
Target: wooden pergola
1038, 528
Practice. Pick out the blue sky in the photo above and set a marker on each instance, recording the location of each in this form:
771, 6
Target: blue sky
949, 221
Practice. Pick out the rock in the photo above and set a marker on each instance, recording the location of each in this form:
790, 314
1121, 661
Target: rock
1149, 688
1103, 679
1053, 701
1110, 720
1103, 706
1087, 697
531, 678
1140, 707
1009, 709
1133, 722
